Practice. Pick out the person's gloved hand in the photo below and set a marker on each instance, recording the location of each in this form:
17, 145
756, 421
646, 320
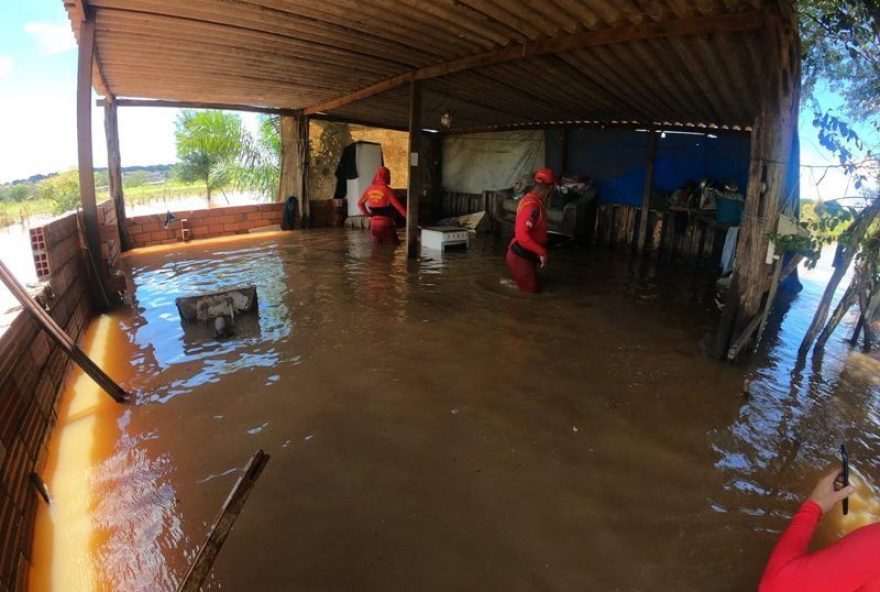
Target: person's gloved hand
828, 492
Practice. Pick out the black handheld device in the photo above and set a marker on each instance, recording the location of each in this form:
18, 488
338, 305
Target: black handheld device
844, 473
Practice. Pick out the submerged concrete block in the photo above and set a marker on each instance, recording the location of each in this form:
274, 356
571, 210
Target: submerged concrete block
226, 303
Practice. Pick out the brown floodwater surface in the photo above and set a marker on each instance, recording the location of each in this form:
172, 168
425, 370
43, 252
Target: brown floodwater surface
433, 429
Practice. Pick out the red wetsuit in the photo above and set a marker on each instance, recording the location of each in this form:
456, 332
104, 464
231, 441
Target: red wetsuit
529, 240
852, 564
376, 203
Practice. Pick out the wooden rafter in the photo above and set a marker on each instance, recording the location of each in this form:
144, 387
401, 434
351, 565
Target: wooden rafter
743, 22
79, 12
195, 105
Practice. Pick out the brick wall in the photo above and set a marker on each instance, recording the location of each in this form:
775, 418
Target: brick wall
32, 368
146, 231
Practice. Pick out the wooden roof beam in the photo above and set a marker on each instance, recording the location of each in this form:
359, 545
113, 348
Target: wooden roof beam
192, 105
77, 9
742, 22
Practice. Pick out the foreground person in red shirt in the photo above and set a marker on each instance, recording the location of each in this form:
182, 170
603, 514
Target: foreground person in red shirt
852, 564
376, 203
527, 251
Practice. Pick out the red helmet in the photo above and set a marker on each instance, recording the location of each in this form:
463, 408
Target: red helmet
545, 176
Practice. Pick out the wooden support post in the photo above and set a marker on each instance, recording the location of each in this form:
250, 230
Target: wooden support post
414, 191
294, 162
305, 157
48, 324
86, 166
772, 136
201, 567
114, 169
649, 186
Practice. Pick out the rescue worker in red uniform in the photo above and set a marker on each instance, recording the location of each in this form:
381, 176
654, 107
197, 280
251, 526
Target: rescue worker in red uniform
528, 251
852, 564
376, 203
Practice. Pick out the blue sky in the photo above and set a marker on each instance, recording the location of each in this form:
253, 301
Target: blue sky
38, 103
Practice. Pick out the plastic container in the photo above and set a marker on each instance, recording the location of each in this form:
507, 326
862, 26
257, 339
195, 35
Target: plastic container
728, 211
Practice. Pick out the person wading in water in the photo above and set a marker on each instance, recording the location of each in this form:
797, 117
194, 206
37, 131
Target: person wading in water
378, 203
851, 564
527, 251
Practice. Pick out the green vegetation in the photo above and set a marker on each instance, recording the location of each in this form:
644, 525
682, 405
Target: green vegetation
216, 150
208, 142
44, 195
258, 163
61, 190
826, 220
12, 212
168, 189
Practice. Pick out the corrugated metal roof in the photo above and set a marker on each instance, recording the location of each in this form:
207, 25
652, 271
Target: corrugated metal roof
691, 61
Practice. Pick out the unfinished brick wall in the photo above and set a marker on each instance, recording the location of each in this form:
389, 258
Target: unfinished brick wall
146, 231
32, 369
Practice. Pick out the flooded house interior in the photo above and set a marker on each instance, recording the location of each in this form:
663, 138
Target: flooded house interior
372, 417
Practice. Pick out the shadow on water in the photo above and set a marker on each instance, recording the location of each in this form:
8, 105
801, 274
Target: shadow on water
432, 428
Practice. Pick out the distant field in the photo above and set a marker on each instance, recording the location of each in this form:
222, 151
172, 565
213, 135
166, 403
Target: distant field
168, 189
12, 212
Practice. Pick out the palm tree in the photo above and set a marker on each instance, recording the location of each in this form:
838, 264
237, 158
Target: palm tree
258, 165
208, 142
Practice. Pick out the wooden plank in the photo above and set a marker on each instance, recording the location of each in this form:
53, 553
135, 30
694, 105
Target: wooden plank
156, 52
84, 149
201, 567
649, 186
750, 21
145, 29
114, 170
400, 24
48, 324
414, 190
194, 105
240, 17
77, 10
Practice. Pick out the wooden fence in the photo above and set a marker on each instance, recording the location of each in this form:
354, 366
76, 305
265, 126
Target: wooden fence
689, 236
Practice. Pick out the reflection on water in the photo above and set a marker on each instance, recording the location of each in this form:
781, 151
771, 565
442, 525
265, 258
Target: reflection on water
433, 429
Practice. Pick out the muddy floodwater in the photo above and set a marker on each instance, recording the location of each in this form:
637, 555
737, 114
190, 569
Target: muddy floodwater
432, 429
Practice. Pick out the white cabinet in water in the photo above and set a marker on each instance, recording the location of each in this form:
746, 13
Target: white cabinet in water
441, 238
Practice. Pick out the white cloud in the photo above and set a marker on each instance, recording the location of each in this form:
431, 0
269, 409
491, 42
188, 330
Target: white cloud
51, 38
5, 66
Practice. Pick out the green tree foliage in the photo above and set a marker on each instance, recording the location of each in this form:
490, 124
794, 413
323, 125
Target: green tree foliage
841, 43
16, 192
62, 190
207, 143
841, 51
258, 164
